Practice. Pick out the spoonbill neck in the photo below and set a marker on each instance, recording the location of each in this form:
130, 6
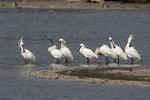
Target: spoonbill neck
129, 41
112, 44
63, 45
128, 45
81, 49
22, 49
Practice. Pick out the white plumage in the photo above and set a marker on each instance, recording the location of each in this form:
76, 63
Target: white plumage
55, 52
130, 51
117, 50
26, 54
106, 51
88, 53
65, 51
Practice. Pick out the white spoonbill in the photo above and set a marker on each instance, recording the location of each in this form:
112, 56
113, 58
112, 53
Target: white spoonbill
26, 54
130, 51
117, 50
106, 51
88, 53
55, 52
65, 51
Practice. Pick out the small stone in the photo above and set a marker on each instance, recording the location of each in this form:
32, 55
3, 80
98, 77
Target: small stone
56, 77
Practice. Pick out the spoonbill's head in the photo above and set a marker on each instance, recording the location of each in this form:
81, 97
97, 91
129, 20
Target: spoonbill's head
51, 48
82, 45
81, 48
97, 51
62, 40
110, 38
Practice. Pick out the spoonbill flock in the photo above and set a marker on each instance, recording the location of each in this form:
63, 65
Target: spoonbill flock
115, 52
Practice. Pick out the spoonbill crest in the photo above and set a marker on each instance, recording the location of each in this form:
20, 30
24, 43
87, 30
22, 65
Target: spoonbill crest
130, 51
26, 54
88, 53
65, 51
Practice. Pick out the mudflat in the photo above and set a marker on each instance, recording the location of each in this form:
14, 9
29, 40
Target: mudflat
136, 75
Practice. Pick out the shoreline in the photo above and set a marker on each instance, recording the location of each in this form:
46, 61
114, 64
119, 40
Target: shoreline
77, 5
64, 73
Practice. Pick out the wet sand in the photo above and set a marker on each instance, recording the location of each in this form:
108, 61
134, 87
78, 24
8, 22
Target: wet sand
136, 75
76, 5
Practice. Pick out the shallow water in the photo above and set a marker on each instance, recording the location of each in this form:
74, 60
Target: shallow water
91, 27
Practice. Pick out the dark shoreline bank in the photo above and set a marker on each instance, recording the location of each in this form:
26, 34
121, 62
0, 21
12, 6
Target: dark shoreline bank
76, 5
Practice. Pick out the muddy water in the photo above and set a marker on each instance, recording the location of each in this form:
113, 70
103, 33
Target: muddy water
90, 27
